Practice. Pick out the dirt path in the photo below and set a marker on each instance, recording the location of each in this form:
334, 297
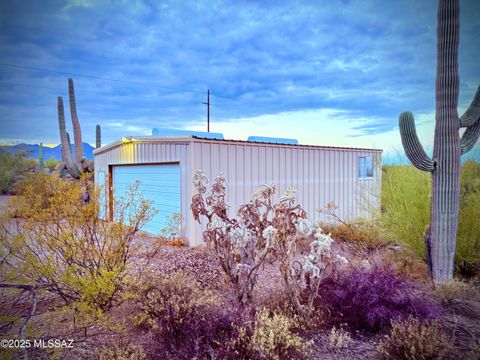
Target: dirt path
3, 200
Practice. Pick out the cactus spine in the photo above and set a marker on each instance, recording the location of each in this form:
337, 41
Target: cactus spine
77, 131
98, 136
66, 150
441, 236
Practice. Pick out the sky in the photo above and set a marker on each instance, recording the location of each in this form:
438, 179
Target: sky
332, 73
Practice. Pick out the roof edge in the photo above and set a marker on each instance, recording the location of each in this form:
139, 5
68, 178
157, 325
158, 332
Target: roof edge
141, 139
188, 139
286, 145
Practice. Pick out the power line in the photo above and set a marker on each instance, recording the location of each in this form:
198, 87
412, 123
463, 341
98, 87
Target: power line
137, 83
98, 77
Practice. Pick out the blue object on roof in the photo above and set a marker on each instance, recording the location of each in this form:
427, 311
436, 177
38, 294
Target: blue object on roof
273, 140
177, 132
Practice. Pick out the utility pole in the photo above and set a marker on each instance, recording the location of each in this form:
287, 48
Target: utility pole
208, 109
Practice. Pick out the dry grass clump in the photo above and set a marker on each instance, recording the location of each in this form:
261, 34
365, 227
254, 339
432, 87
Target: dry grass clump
277, 301
272, 337
405, 263
413, 339
339, 338
126, 352
455, 290
362, 235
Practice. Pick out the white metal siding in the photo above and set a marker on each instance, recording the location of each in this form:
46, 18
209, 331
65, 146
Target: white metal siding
320, 174
102, 187
159, 184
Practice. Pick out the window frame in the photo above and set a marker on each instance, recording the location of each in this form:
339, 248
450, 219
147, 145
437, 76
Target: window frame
364, 164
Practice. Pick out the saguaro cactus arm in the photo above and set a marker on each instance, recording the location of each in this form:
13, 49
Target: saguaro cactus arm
66, 151
470, 137
471, 120
411, 143
473, 112
77, 132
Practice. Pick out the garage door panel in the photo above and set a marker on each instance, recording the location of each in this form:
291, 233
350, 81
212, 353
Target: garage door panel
157, 183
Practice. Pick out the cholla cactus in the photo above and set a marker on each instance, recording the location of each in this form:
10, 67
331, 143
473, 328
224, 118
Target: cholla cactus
240, 246
263, 228
303, 277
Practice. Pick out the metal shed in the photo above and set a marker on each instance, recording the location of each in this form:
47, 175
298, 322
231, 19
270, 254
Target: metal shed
349, 177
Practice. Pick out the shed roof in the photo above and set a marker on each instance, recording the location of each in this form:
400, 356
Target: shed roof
188, 139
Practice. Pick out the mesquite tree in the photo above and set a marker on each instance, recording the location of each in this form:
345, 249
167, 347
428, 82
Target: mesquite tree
441, 236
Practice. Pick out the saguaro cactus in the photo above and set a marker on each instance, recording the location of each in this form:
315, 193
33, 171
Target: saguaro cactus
41, 163
66, 150
441, 236
98, 136
77, 131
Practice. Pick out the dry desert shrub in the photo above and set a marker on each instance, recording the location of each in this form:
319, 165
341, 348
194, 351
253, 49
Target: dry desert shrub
271, 336
182, 320
413, 339
362, 235
118, 352
455, 290
339, 338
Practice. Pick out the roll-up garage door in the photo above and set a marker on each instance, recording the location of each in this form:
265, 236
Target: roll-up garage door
158, 183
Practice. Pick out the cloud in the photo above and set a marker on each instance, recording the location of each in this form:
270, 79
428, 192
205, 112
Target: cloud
366, 61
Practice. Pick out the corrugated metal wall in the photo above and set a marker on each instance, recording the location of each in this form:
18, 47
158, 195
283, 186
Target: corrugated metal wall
320, 175
138, 152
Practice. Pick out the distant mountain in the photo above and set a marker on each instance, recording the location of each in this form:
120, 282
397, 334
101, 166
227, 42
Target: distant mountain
32, 150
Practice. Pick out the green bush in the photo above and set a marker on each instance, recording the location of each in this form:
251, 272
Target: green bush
406, 194
51, 163
13, 167
406, 206
50, 237
468, 246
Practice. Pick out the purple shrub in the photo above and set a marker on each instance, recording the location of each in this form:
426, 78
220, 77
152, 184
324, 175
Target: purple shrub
369, 300
184, 322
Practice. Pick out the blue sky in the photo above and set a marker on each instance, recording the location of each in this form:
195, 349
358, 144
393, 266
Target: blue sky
325, 72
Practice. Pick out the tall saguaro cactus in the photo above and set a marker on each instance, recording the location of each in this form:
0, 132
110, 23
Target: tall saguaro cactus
41, 163
98, 136
77, 131
441, 236
66, 150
